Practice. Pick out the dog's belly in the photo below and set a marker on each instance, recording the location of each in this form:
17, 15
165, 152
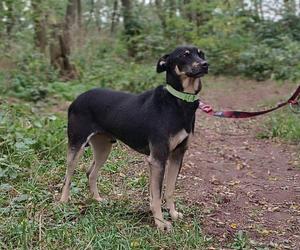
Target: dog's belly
145, 150
134, 138
139, 147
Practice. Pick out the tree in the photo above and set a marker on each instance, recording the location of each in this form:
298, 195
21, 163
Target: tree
289, 7
114, 17
10, 18
60, 48
161, 13
1, 19
40, 26
132, 27
79, 14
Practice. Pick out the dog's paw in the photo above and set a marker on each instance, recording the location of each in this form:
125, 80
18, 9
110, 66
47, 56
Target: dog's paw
99, 199
176, 215
164, 226
64, 199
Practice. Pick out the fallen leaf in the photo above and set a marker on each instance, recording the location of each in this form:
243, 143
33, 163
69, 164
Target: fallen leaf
265, 232
232, 183
134, 243
214, 180
274, 209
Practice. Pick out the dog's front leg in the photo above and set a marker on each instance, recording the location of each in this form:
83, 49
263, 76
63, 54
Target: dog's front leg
157, 170
175, 164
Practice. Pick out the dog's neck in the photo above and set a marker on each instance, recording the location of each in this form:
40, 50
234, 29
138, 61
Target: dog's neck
182, 95
184, 84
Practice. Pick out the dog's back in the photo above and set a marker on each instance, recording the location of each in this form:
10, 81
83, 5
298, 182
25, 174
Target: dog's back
119, 114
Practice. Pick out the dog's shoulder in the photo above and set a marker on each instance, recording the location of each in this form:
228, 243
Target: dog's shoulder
98, 96
161, 96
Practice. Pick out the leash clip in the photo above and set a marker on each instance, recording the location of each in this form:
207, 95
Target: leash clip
204, 107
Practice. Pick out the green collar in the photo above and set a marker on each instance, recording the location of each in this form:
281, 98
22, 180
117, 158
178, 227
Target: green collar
181, 95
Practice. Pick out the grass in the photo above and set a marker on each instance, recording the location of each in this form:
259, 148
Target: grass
282, 124
117, 224
32, 166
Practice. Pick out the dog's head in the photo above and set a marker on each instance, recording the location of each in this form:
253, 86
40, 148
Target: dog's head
184, 67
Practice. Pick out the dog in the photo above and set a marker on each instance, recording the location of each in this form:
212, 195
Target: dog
157, 123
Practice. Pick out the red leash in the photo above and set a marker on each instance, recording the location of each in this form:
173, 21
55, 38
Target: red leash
293, 101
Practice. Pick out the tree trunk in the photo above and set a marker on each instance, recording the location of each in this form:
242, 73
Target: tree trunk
186, 12
172, 8
1, 20
260, 4
114, 17
91, 12
98, 16
70, 23
289, 7
79, 14
60, 48
256, 8
130, 26
94, 14
39, 20
127, 13
10, 22
161, 14
242, 4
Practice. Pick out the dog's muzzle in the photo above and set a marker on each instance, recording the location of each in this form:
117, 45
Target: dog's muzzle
199, 70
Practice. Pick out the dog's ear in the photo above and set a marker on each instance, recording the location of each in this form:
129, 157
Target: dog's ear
162, 64
201, 54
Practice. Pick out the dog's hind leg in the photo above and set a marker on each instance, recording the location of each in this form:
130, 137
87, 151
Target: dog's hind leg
173, 169
73, 156
101, 145
157, 161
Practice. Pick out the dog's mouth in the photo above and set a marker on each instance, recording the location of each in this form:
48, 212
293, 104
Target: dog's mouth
193, 73
197, 74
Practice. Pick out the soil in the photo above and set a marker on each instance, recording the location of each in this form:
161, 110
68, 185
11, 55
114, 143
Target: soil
240, 181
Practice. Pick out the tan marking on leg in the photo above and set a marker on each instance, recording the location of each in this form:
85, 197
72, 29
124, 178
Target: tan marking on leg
175, 162
88, 139
156, 178
91, 168
177, 139
101, 145
73, 157
171, 177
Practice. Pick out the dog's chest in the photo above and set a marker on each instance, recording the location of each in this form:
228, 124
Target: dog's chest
176, 139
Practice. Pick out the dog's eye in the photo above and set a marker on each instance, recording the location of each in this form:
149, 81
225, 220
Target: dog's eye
201, 54
186, 53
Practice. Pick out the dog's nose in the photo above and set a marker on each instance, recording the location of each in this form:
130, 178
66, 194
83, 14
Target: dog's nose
204, 64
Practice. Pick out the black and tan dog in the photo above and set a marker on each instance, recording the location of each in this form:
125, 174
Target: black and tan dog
157, 123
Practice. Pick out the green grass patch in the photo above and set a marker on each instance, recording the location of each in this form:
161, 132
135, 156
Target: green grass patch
116, 224
284, 125
32, 167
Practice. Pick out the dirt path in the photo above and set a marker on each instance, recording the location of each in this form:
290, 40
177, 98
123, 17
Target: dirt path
243, 183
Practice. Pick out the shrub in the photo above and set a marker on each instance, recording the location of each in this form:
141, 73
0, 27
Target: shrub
30, 78
264, 62
283, 125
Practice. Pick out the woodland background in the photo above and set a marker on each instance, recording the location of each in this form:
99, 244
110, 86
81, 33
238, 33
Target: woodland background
46, 41
53, 50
